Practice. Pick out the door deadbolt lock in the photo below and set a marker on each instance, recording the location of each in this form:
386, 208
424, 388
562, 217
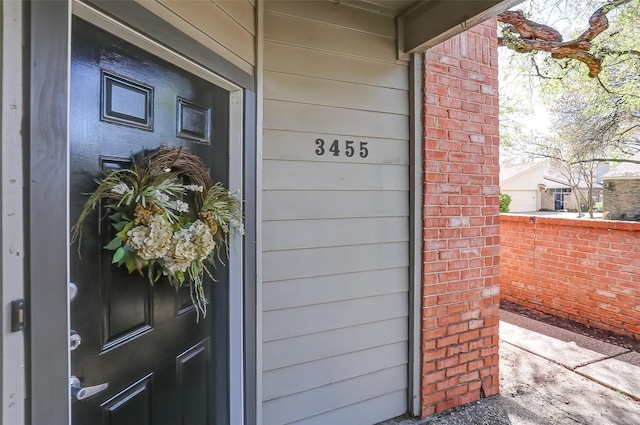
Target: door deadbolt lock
80, 393
74, 340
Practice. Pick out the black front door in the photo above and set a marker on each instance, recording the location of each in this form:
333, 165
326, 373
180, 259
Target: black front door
160, 364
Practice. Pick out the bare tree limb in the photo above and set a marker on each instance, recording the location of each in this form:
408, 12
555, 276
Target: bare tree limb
532, 36
584, 161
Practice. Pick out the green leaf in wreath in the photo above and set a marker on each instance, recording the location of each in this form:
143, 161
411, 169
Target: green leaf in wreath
122, 234
130, 263
114, 244
180, 276
158, 274
117, 256
127, 254
116, 216
119, 225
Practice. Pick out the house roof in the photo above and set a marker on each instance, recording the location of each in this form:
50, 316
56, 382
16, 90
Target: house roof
625, 170
552, 177
509, 171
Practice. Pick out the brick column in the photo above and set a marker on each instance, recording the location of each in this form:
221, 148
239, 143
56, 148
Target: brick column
461, 236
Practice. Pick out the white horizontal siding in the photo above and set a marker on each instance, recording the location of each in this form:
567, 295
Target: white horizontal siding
302, 377
327, 65
318, 36
291, 322
303, 263
320, 345
308, 404
323, 289
366, 412
335, 230
329, 13
225, 27
302, 89
299, 175
300, 204
299, 234
309, 118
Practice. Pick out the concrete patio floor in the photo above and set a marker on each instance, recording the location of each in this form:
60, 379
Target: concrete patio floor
550, 375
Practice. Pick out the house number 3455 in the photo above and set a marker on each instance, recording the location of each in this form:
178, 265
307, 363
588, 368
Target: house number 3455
348, 148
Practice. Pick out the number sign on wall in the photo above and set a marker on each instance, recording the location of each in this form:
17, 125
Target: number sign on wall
347, 148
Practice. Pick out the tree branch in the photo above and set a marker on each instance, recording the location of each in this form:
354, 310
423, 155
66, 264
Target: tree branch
632, 161
532, 36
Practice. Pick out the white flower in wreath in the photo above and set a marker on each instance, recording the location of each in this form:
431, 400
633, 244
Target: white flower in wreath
179, 206
202, 239
120, 188
194, 187
237, 224
151, 242
161, 196
187, 245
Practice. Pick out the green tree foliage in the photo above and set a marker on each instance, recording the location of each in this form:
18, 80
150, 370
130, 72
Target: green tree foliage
505, 201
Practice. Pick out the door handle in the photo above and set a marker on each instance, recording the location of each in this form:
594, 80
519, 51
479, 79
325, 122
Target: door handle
80, 393
73, 291
74, 340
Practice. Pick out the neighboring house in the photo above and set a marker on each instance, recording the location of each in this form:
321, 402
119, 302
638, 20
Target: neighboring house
538, 186
621, 197
367, 284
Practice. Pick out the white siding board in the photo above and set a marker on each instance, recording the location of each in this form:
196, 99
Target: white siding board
332, 66
302, 89
318, 36
303, 377
301, 263
300, 204
367, 412
243, 12
297, 146
308, 348
335, 231
327, 398
280, 115
283, 235
209, 18
298, 175
209, 25
324, 289
330, 13
291, 322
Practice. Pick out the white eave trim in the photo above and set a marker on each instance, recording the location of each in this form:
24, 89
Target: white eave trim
433, 22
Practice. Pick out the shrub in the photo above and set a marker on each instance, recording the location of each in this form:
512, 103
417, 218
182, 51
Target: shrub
505, 200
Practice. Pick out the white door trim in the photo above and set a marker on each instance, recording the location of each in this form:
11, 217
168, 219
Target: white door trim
12, 212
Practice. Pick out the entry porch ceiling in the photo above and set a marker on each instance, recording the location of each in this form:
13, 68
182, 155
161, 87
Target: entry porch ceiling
424, 23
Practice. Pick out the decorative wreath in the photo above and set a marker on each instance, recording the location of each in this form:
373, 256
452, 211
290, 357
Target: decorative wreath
170, 218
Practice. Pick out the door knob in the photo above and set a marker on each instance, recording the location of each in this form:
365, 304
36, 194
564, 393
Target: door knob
80, 393
73, 291
74, 340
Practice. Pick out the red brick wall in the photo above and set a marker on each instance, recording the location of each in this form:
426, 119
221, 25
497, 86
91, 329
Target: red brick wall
461, 246
587, 271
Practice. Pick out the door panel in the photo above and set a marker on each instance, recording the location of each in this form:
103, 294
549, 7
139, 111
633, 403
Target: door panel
162, 366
